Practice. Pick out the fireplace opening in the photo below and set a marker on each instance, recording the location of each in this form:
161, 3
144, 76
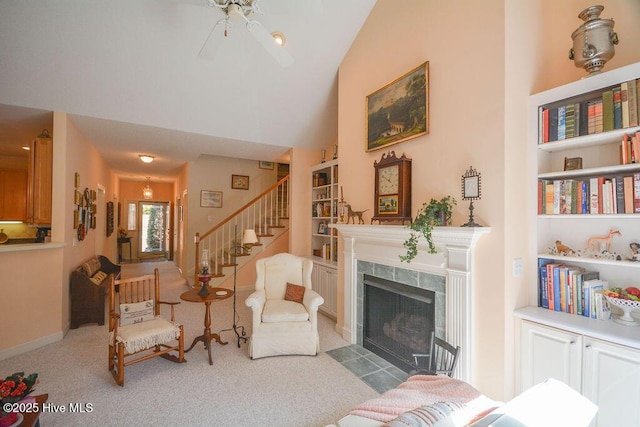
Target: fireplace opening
397, 320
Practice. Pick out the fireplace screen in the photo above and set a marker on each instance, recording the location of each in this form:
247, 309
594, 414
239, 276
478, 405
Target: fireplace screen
398, 320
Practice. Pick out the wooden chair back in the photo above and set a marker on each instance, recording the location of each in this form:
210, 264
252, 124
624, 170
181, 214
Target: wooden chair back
133, 290
441, 359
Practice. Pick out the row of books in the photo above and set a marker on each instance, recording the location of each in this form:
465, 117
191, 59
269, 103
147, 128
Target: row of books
617, 107
597, 195
630, 149
571, 289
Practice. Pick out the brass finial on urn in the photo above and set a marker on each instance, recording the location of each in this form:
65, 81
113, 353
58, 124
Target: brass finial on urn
593, 41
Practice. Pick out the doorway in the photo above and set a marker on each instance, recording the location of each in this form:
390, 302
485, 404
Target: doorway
153, 226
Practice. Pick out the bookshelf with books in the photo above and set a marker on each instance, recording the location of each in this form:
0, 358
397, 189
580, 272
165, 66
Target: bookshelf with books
585, 194
324, 240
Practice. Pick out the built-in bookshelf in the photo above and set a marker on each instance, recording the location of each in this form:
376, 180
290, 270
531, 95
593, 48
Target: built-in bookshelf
588, 189
584, 182
324, 211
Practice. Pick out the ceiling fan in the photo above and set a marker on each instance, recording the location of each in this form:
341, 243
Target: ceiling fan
242, 11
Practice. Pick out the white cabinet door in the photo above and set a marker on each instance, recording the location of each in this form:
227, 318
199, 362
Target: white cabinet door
611, 380
550, 353
326, 286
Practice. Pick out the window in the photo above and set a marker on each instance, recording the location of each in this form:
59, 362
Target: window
131, 216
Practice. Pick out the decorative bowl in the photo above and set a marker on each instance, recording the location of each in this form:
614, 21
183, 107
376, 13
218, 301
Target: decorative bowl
627, 306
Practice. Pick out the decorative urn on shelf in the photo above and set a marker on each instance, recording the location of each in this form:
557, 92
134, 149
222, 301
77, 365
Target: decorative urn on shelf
593, 41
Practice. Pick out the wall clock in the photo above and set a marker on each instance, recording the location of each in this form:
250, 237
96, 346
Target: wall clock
392, 192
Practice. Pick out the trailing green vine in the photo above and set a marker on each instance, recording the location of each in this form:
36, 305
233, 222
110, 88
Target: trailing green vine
434, 213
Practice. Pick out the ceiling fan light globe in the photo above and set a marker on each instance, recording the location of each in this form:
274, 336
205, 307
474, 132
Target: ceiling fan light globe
279, 38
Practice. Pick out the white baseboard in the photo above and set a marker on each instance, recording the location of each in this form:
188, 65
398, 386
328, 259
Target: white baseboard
31, 345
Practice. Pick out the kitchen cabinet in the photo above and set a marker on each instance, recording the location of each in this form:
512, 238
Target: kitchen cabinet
39, 188
13, 195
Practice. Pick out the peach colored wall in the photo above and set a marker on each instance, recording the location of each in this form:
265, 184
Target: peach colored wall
463, 44
37, 281
301, 162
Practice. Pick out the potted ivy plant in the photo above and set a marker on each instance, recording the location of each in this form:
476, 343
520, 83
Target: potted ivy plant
434, 213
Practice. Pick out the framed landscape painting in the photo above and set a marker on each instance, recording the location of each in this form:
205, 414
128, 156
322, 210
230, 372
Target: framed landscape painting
400, 110
210, 199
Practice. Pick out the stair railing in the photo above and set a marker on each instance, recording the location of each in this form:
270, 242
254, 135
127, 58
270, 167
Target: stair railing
263, 213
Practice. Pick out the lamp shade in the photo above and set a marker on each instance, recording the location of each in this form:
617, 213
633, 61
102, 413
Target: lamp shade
249, 237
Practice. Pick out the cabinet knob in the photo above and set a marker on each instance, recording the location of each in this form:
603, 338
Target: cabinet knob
572, 342
588, 346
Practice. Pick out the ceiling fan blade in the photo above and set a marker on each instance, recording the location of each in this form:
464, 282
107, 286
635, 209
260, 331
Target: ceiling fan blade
214, 40
265, 38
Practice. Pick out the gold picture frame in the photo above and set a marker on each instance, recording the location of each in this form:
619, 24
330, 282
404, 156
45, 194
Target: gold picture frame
399, 111
572, 163
266, 165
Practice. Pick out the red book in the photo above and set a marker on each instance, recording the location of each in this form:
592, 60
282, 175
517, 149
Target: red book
636, 192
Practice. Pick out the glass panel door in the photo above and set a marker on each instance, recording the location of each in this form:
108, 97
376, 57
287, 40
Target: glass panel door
153, 234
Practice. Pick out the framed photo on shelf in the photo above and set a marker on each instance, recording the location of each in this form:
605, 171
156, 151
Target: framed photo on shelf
322, 227
239, 182
210, 199
266, 165
572, 163
400, 110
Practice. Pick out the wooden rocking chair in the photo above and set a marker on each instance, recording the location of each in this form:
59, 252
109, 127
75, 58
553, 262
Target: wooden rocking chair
136, 330
441, 359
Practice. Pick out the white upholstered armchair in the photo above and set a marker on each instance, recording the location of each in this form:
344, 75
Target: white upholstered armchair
281, 325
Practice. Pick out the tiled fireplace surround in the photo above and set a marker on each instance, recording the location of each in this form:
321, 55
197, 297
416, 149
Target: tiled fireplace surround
375, 250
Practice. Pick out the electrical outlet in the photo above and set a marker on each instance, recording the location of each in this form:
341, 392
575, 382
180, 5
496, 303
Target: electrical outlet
517, 267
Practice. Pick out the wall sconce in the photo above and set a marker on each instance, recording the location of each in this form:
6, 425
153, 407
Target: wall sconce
147, 192
146, 158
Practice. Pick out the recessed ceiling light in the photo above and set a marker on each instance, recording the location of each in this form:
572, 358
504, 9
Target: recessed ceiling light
146, 158
279, 38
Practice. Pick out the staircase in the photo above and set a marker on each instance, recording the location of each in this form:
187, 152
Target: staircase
222, 247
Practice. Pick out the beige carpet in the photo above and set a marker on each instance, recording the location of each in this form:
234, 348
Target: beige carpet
235, 391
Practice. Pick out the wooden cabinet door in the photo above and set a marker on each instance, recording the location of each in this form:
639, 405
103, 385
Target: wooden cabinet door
40, 178
550, 353
611, 380
13, 195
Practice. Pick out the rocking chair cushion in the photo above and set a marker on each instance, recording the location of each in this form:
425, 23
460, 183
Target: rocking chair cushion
276, 311
136, 312
145, 335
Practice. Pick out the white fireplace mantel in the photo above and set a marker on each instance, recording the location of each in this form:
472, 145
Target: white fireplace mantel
383, 244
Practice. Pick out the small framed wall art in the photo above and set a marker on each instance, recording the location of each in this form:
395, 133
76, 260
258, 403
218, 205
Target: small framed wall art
210, 199
265, 165
239, 182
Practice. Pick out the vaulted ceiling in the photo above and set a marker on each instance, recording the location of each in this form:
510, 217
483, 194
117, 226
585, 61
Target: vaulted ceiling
131, 78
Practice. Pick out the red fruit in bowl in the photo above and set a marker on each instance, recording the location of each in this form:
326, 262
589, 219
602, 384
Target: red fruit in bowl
633, 291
